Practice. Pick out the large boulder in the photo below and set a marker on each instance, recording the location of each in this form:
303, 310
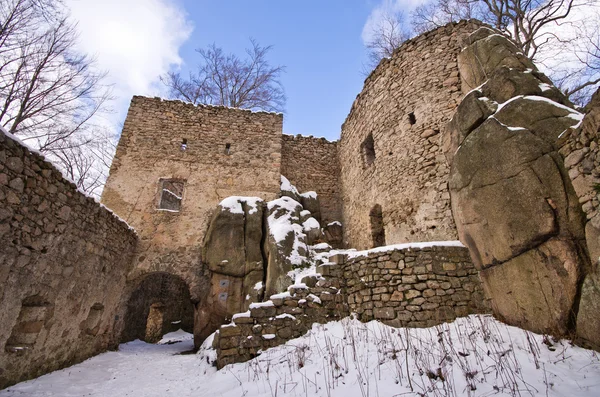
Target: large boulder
518, 214
285, 244
487, 52
310, 202
232, 242
232, 254
334, 234
506, 83
513, 202
473, 110
289, 190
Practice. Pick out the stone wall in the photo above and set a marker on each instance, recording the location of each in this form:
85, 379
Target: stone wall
401, 286
580, 148
285, 316
63, 265
389, 148
210, 153
414, 287
311, 164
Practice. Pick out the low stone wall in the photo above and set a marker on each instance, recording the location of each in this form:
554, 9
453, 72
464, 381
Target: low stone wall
63, 265
402, 286
414, 287
283, 317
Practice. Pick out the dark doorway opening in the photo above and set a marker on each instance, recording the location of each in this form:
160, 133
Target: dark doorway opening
377, 229
160, 304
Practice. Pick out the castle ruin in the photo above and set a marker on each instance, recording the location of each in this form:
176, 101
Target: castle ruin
188, 241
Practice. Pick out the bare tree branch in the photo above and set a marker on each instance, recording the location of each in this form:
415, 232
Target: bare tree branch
225, 79
537, 27
387, 35
49, 93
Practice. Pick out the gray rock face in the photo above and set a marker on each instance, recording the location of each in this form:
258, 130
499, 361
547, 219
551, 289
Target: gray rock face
310, 202
232, 253
471, 112
488, 52
514, 205
289, 190
334, 234
232, 245
285, 244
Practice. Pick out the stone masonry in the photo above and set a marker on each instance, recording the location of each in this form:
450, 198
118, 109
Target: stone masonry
580, 148
311, 164
389, 149
402, 286
285, 316
414, 287
63, 265
215, 152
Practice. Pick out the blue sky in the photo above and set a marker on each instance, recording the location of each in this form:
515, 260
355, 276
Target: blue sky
319, 42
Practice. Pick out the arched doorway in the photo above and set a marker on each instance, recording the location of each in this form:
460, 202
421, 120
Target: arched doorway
377, 229
159, 304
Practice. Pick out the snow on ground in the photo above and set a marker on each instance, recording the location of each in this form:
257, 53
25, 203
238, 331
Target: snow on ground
473, 356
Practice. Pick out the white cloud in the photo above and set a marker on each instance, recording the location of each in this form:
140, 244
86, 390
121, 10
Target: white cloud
385, 7
134, 40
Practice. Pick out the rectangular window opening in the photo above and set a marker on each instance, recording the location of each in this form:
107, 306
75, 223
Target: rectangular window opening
228, 148
368, 150
171, 194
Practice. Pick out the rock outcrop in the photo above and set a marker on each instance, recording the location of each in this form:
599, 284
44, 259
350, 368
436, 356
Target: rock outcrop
512, 200
252, 250
232, 253
285, 245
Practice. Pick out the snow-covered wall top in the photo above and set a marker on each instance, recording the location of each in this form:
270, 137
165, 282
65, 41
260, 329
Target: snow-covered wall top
64, 264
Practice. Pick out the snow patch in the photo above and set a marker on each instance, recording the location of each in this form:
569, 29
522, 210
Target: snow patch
241, 315
285, 315
286, 186
476, 356
257, 305
309, 195
281, 295
233, 204
310, 224
175, 337
355, 254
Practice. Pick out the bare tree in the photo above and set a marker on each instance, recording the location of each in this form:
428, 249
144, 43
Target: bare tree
536, 26
387, 35
225, 79
438, 13
48, 91
580, 79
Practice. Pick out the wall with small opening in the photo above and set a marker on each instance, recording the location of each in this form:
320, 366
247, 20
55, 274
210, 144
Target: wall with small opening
63, 265
174, 163
390, 150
